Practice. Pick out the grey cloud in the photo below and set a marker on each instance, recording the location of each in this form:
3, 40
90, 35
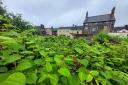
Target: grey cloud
66, 12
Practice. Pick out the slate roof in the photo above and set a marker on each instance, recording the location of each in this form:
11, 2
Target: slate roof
55, 29
99, 18
73, 28
118, 28
65, 27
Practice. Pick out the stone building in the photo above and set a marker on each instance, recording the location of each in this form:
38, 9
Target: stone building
44, 31
69, 31
96, 24
91, 26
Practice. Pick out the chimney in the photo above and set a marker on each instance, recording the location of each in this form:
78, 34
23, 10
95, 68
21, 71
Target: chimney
73, 25
87, 14
126, 27
42, 26
113, 11
51, 27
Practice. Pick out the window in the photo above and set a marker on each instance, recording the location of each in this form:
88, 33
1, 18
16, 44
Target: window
77, 32
105, 28
43, 32
86, 27
93, 29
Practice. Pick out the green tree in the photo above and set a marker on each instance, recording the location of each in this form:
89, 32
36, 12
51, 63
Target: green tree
2, 8
17, 21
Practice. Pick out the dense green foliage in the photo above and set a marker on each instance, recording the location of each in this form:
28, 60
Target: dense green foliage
35, 60
27, 59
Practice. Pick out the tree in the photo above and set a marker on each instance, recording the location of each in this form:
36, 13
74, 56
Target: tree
2, 8
10, 21
17, 21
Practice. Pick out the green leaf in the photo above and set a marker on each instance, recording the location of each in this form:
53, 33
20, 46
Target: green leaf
12, 58
58, 56
27, 53
64, 80
58, 60
89, 78
82, 69
38, 62
43, 54
82, 77
42, 78
48, 67
49, 59
24, 65
10, 43
84, 62
15, 79
64, 71
3, 69
73, 80
94, 73
68, 60
107, 74
54, 79
10, 33
4, 76
78, 50
31, 78
107, 68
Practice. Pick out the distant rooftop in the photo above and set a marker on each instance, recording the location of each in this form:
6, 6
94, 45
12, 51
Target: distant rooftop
73, 28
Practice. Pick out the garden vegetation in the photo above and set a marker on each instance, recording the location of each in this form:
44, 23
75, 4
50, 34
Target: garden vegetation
29, 59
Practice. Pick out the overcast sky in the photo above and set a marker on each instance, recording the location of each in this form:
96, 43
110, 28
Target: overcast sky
66, 12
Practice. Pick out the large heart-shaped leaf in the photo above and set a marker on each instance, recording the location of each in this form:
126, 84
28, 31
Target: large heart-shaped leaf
84, 62
26, 64
15, 79
54, 79
73, 80
64, 71
82, 77
31, 78
89, 78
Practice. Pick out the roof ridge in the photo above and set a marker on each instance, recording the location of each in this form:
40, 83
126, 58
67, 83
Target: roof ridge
99, 15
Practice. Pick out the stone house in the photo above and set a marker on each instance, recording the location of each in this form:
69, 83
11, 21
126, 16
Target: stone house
69, 31
44, 31
96, 24
91, 26
54, 31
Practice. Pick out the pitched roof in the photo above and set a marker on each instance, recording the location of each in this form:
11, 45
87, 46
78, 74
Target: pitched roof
65, 28
54, 29
72, 28
100, 18
118, 28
